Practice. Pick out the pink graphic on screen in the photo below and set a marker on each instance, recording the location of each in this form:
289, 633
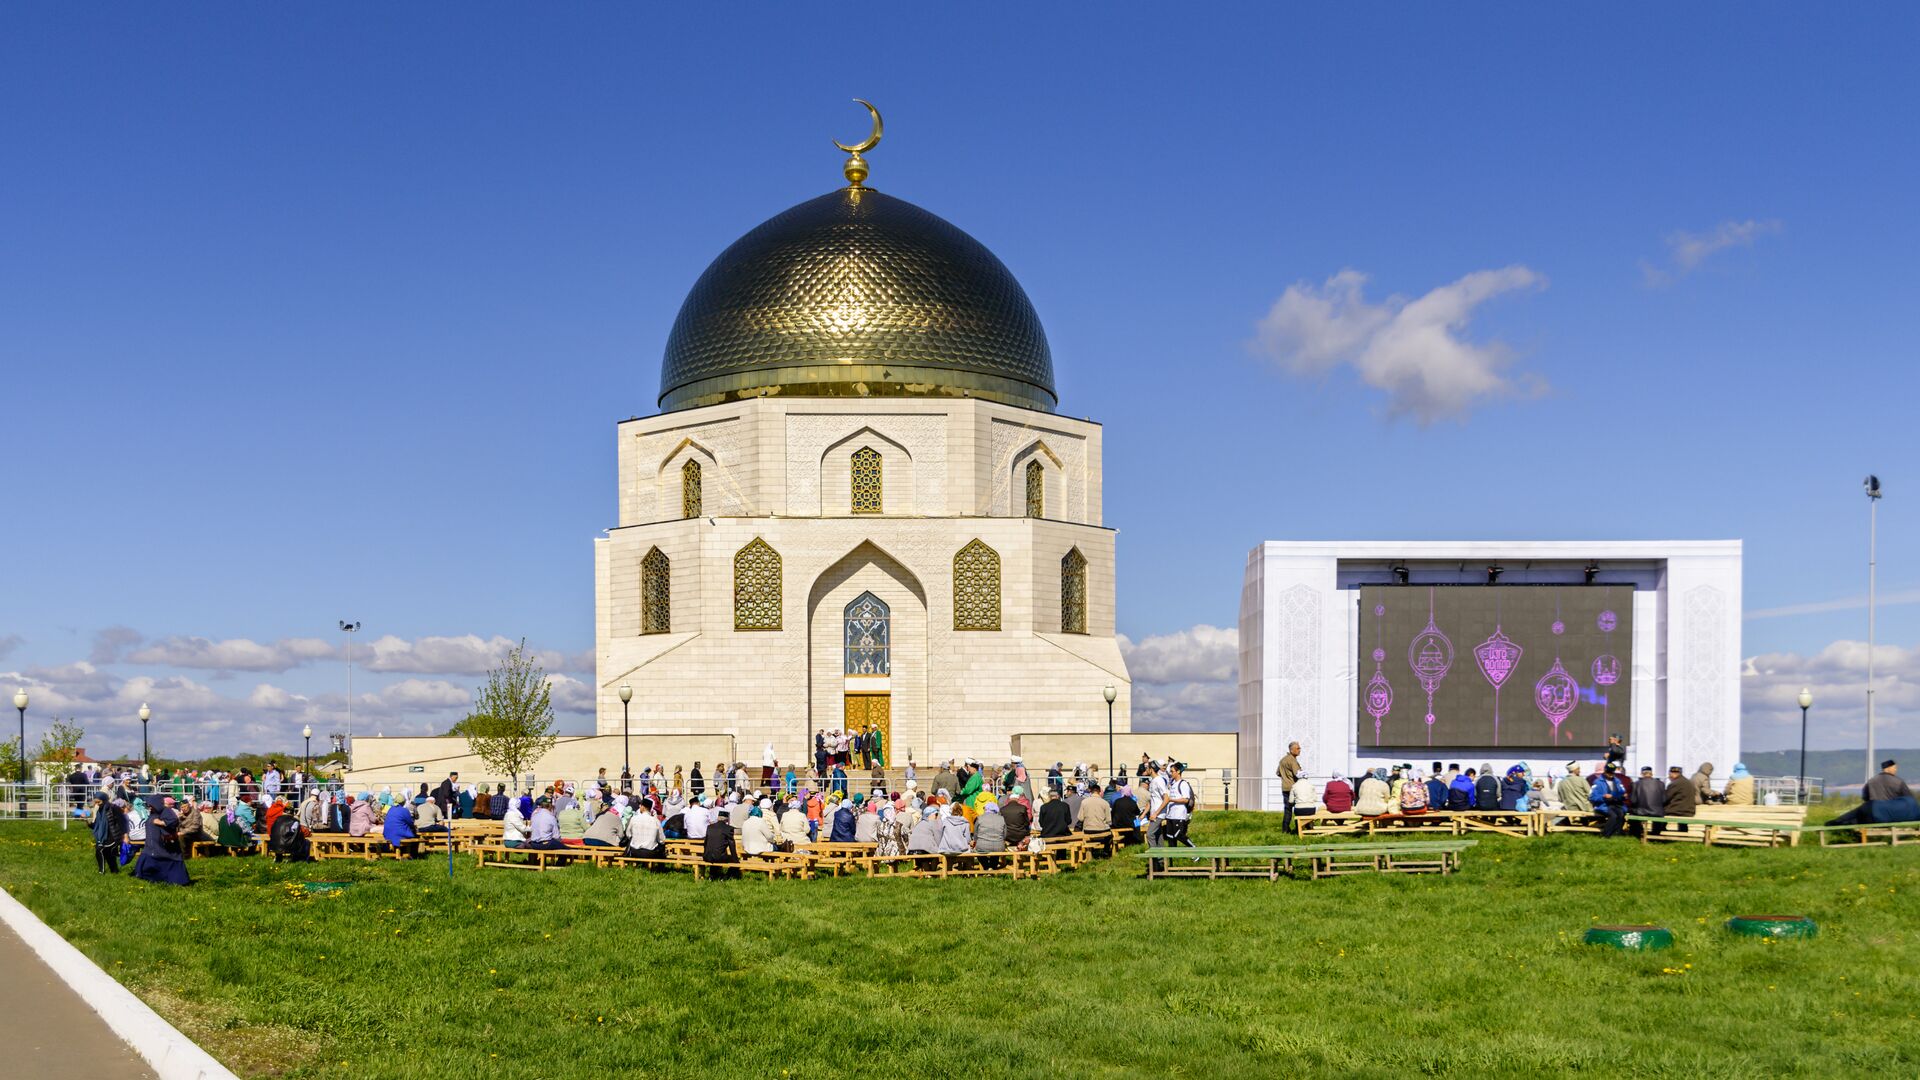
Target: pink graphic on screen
1497, 656
1555, 695
1379, 691
1607, 621
1430, 654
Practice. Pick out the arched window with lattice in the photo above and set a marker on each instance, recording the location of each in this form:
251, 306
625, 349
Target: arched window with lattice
976, 587
756, 587
869, 636
656, 593
1036, 490
866, 481
690, 489
1073, 593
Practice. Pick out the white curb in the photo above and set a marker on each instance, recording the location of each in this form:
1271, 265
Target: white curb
172, 1055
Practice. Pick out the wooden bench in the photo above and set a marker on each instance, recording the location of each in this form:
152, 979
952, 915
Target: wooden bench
904, 864
1779, 825
329, 845
976, 864
1893, 834
1322, 860
500, 855
1517, 823
1331, 824
1440, 821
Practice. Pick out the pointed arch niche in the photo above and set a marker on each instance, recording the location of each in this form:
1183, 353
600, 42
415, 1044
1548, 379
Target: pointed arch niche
866, 452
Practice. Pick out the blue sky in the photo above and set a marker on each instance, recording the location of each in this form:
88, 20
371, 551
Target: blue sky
311, 314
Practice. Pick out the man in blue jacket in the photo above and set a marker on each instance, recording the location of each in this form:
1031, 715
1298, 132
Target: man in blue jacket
1609, 797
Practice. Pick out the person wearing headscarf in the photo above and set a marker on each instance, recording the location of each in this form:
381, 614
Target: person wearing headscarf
192, 827
956, 836
287, 839
572, 822
1338, 796
274, 810
866, 822
1739, 786
467, 802
990, 827
160, 856
1372, 798
758, 837
513, 826
360, 814
313, 816
1018, 816
397, 829
842, 818
606, 830
109, 831
1703, 783
792, 828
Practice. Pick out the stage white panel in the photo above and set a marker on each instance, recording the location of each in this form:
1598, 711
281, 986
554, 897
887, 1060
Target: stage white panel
1300, 627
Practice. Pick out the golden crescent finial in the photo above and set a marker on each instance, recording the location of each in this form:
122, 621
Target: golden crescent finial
856, 167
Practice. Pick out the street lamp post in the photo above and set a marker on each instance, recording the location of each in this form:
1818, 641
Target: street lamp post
1110, 693
306, 732
1806, 702
1872, 485
20, 702
146, 714
349, 629
626, 740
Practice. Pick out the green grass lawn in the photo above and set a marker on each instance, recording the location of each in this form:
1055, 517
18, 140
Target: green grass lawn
594, 973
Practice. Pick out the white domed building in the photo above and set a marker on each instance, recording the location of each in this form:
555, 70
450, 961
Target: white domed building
857, 507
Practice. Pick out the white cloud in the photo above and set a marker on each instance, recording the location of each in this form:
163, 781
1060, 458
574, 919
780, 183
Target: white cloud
1185, 680
113, 642
1412, 349
467, 654
1205, 653
570, 695
1837, 676
232, 654
1687, 250
425, 694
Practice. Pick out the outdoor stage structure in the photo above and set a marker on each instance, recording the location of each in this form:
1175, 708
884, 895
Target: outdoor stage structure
1376, 653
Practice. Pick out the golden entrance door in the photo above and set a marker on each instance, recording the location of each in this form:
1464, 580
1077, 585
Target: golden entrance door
866, 712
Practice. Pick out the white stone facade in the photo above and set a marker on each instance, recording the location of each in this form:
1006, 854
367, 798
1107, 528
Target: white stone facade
1299, 646
778, 469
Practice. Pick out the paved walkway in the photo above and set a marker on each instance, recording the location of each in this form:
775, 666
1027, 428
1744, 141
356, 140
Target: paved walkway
48, 1032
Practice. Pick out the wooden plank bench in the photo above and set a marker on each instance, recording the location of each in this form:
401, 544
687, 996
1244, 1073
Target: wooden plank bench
905, 864
1071, 849
1892, 833
500, 855
326, 845
1516, 823
1440, 821
1753, 826
1331, 824
1323, 860
977, 864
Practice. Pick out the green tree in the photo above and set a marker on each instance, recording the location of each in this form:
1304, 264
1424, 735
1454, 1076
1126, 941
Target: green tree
62, 739
511, 725
10, 759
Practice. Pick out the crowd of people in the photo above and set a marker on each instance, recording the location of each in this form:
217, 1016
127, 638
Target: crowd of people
967, 806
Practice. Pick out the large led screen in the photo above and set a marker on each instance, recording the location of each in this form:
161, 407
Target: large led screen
1518, 666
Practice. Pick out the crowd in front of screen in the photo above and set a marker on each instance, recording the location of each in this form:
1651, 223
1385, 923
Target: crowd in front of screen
1601, 790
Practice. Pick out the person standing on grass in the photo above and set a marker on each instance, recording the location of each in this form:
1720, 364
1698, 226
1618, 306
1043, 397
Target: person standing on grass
1289, 774
109, 829
160, 856
1179, 806
1609, 797
696, 783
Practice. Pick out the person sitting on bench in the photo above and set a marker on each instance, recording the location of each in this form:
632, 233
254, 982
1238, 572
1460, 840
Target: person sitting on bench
1884, 800
1486, 788
1514, 789
1055, 819
1338, 796
1461, 791
1575, 794
545, 835
398, 828
1096, 816
428, 817
1609, 797
925, 837
1680, 799
990, 828
646, 838
717, 848
1648, 798
606, 829
955, 836
513, 826
1374, 794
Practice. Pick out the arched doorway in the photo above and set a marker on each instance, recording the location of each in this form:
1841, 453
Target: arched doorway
867, 647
